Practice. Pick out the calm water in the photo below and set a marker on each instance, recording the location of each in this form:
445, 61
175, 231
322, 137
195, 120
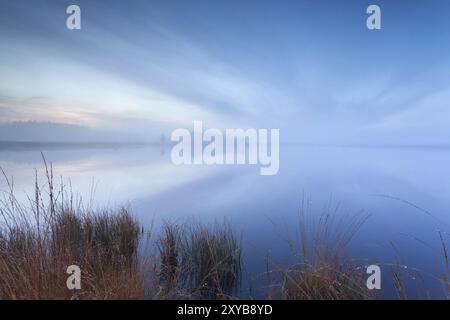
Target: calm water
264, 209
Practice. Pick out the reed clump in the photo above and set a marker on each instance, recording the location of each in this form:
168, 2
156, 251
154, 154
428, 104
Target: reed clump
40, 238
323, 272
199, 261
39, 241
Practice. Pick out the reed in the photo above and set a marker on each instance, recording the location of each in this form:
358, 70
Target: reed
38, 242
199, 261
323, 272
53, 230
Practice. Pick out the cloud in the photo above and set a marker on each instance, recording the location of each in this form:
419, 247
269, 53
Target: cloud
156, 68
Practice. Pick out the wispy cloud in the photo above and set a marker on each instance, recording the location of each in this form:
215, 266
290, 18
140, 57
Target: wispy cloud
158, 67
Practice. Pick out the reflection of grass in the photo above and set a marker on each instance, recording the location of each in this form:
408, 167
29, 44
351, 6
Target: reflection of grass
38, 242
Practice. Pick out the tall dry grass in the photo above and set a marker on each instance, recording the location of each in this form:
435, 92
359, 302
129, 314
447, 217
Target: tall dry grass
323, 272
40, 240
199, 261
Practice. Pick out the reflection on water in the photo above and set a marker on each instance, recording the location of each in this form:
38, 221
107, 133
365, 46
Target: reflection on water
265, 208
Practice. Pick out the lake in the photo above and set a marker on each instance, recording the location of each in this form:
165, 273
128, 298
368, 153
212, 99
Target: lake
406, 191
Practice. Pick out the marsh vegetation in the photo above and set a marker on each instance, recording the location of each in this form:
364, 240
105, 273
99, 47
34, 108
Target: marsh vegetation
122, 259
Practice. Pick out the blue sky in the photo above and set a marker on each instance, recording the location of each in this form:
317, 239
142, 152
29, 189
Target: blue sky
310, 68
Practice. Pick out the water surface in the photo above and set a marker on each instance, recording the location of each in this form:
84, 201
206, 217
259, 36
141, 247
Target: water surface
265, 209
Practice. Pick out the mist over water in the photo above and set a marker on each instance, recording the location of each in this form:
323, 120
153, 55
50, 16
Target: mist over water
361, 115
405, 191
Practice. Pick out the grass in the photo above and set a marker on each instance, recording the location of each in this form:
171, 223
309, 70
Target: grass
211, 258
445, 278
323, 272
169, 247
39, 242
198, 261
41, 238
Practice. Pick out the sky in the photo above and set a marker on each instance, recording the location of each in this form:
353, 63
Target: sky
310, 68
